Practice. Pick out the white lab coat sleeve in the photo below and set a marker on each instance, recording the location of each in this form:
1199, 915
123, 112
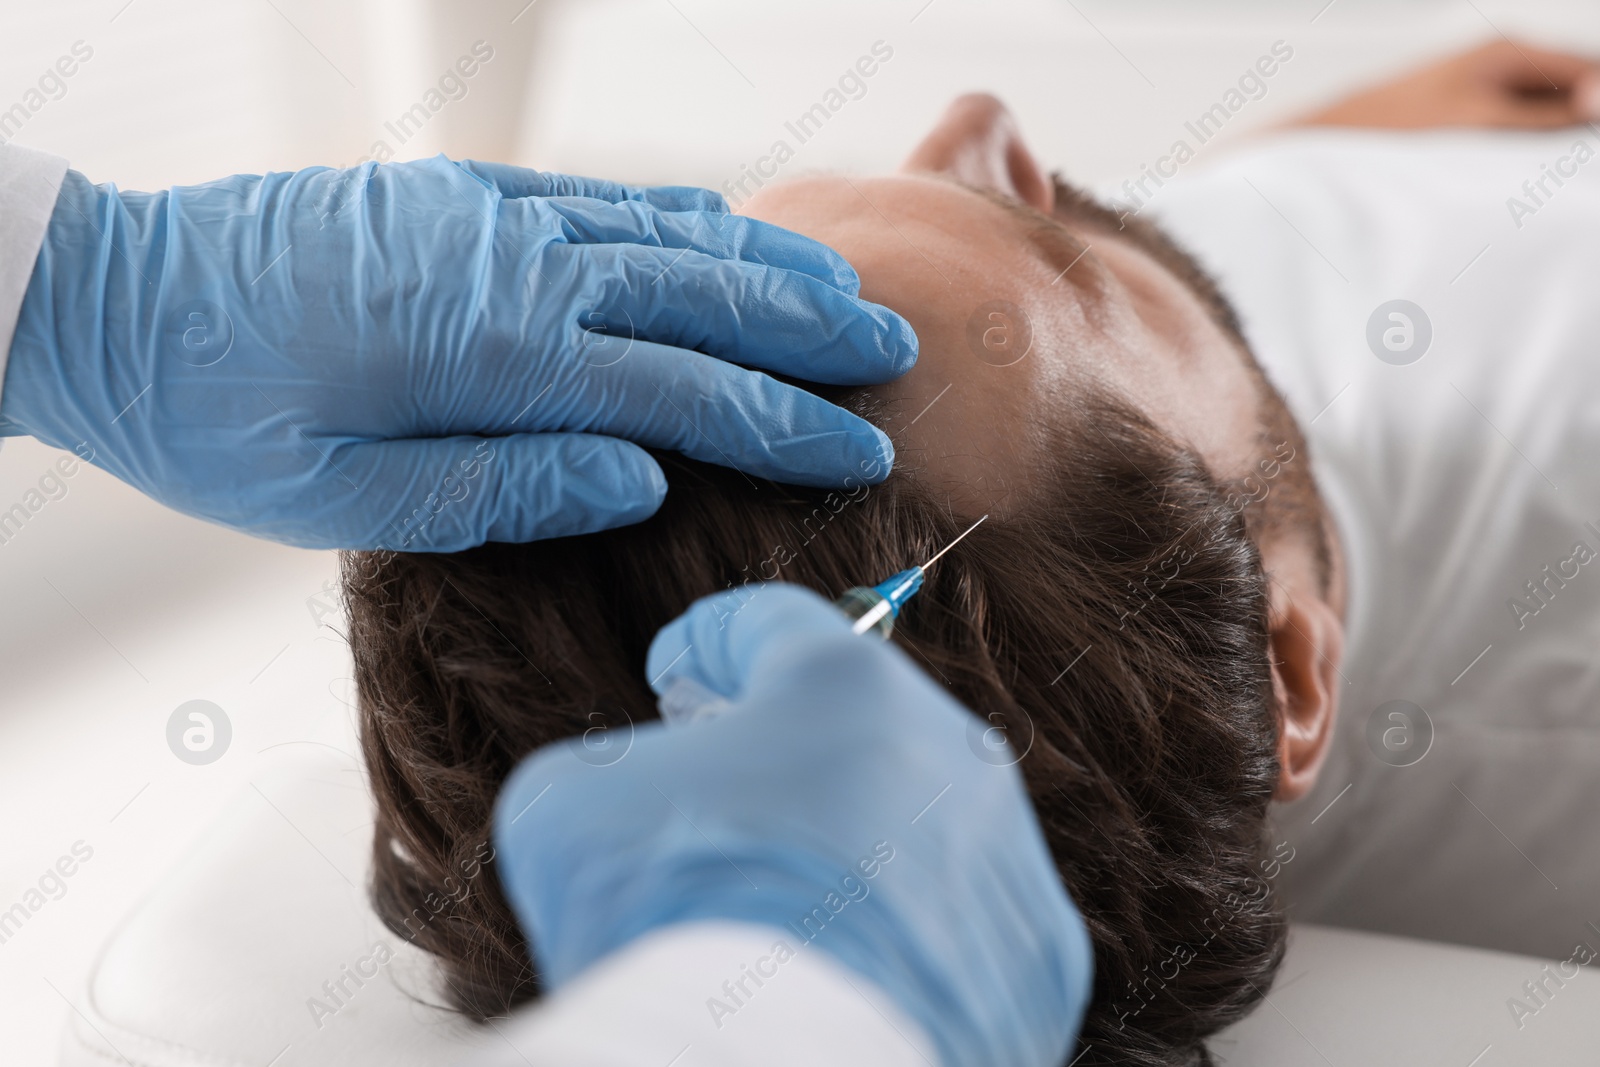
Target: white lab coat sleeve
29, 181
714, 994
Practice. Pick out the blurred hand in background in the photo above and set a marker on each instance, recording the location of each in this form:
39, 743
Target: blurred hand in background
1504, 84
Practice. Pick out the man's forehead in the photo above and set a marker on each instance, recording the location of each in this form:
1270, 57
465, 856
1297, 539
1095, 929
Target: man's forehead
1080, 224
1052, 239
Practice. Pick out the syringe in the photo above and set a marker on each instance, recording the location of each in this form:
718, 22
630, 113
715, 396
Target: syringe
876, 607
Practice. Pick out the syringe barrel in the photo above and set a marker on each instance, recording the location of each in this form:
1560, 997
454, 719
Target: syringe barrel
861, 601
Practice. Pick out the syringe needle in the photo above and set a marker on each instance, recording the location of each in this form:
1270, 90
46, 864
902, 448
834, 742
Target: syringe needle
953, 544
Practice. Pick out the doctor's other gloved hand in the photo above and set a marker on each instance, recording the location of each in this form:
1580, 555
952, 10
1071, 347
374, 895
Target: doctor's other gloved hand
430, 355
840, 799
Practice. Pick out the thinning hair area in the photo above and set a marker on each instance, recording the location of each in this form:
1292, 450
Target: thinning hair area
1114, 626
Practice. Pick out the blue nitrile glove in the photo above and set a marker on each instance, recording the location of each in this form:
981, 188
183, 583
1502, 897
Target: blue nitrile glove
839, 757
429, 355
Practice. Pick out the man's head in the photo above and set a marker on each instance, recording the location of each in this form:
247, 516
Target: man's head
1113, 619
1027, 297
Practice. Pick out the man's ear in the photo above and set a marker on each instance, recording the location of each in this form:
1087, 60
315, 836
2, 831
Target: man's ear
977, 141
1305, 646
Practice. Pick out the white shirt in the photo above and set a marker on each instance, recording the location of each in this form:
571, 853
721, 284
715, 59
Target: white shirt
29, 182
683, 996
1455, 480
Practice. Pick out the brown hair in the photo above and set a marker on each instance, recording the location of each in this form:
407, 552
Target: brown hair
1117, 630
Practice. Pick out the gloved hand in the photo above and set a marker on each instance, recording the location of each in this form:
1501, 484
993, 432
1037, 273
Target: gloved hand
841, 799
313, 356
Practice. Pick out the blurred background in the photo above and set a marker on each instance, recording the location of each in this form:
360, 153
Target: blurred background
117, 611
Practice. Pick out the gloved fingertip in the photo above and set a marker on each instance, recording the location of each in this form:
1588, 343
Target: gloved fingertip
636, 477
668, 648
562, 485
900, 342
631, 511
658, 482
695, 644
715, 641
885, 338
618, 483
877, 455
787, 250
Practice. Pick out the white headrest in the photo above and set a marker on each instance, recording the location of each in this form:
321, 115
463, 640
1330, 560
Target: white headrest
260, 949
